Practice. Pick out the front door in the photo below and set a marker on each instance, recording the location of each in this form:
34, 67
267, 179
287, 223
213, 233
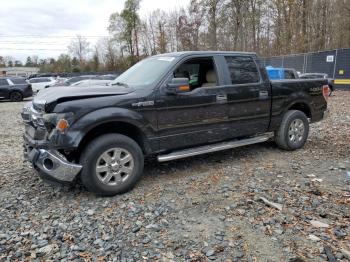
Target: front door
198, 116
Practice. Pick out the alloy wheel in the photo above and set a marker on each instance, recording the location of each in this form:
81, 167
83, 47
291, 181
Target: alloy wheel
296, 131
114, 166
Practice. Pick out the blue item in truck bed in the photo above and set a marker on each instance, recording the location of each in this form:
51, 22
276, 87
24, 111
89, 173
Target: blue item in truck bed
275, 73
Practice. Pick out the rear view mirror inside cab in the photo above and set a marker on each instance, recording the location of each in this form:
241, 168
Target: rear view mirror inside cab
178, 85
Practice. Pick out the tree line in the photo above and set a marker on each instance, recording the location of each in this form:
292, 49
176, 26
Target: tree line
268, 27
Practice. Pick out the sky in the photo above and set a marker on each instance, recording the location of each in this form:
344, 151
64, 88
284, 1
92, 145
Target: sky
46, 27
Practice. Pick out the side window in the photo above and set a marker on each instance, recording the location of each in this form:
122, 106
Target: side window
242, 70
18, 81
3, 82
188, 70
200, 72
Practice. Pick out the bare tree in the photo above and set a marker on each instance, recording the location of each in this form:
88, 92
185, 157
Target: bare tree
212, 11
269, 27
80, 48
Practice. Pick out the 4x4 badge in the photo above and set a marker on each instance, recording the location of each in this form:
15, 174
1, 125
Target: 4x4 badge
145, 103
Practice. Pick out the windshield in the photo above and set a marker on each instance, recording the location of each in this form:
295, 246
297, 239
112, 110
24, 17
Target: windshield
145, 72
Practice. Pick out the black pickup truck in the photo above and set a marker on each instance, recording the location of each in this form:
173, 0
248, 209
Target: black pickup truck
169, 106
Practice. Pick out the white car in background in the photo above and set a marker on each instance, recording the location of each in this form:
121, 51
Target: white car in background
92, 82
39, 83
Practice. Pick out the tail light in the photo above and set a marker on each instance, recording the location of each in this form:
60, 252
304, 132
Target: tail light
325, 91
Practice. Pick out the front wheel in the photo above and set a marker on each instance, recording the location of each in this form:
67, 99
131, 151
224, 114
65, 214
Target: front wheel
112, 164
293, 131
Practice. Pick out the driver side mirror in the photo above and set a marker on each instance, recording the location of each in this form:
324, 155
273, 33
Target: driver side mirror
178, 85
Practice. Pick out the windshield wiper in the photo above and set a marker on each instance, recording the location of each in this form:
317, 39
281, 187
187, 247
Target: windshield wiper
120, 84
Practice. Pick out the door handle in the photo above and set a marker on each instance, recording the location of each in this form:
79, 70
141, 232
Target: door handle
263, 94
221, 98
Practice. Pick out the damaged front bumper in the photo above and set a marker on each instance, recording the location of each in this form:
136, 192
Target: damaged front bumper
40, 150
52, 164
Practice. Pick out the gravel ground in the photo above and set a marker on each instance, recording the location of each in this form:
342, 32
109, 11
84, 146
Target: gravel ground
199, 209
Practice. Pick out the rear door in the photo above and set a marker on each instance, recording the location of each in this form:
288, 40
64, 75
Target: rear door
248, 95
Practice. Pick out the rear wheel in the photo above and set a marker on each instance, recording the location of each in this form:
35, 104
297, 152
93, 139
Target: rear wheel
331, 87
112, 164
293, 131
16, 96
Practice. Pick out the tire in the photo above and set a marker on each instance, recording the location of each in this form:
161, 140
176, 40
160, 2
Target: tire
293, 131
16, 96
331, 87
105, 171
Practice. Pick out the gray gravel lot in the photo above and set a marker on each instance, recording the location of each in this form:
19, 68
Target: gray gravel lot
199, 209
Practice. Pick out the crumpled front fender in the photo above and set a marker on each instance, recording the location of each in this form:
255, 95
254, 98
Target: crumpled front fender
76, 132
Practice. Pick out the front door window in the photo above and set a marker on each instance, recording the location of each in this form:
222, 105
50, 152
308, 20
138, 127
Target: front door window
200, 72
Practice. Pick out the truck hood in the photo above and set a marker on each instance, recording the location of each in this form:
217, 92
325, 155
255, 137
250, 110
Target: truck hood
49, 97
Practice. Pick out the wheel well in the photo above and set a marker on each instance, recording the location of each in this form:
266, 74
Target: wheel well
303, 108
115, 127
15, 91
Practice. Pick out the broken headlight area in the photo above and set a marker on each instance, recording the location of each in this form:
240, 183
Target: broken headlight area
59, 121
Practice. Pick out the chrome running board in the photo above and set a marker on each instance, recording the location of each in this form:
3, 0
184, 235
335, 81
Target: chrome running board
213, 148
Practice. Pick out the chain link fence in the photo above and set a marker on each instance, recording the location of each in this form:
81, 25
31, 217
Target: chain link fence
335, 63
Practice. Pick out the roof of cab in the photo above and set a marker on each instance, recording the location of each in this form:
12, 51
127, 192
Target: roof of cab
187, 53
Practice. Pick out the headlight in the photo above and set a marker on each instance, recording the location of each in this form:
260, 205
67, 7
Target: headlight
60, 121
37, 120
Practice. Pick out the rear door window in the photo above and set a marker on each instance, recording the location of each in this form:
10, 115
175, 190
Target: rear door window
18, 81
40, 80
3, 82
242, 69
77, 79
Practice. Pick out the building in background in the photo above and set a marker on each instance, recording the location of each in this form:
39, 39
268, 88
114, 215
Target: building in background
335, 63
18, 71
